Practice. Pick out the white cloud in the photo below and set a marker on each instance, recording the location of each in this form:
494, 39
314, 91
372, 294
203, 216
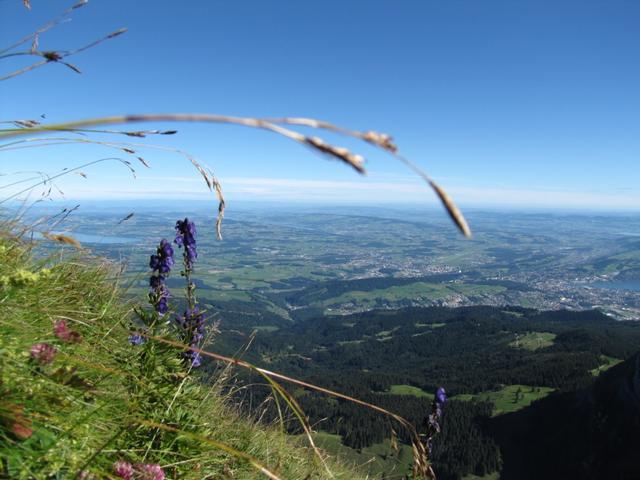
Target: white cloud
360, 190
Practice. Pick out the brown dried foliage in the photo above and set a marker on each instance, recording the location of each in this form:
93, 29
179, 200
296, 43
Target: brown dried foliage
65, 239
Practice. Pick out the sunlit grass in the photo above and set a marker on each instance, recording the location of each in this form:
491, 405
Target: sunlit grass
534, 340
510, 398
102, 399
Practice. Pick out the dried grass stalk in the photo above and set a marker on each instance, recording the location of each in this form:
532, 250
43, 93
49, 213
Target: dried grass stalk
422, 467
221, 204
452, 209
377, 139
62, 239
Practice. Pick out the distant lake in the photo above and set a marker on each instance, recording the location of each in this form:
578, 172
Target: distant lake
100, 239
633, 285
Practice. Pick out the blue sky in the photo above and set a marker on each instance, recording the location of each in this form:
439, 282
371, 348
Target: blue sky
529, 103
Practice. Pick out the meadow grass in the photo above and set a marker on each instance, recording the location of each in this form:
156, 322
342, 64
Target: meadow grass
608, 362
379, 460
534, 340
424, 290
409, 390
510, 398
102, 399
489, 476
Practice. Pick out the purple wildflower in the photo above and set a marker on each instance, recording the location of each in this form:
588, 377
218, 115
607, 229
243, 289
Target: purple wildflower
433, 420
43, 353
136, 339
156, 281
161, 264
186, 237
162, 306
149, 472
441, 396
162, 261
192, 323
123, 469
196, 359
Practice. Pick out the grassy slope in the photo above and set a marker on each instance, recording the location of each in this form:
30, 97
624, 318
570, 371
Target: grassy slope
412, 290
505, 400
534, 340
88, 407
508, 399
608, 362
378, 460
409, 390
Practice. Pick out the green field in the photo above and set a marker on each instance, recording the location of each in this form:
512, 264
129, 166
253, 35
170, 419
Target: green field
608, 362
377, 460
506, 400
417, 290
408, 390
374, 461
510, 398
491, 476
266, 328
534, 340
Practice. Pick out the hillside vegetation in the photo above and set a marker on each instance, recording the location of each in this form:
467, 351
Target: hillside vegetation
77, 396
493, 361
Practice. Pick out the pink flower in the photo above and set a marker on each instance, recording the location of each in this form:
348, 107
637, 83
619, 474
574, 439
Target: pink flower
123, 469
61, 331
149, 472
139, 471
43, 352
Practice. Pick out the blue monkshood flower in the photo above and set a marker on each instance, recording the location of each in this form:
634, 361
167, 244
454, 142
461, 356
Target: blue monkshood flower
161, 264
159, 295
186, 237
136, 339
196, 359
433, 420
192, 324
162, 306
156, 281
162, 261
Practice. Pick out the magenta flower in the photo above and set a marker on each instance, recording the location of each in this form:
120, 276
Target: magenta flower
149, 472
123, 469
43, 352
139, 471
61, 331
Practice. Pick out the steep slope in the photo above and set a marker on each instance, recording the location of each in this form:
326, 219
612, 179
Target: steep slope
76, 396
590, 434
